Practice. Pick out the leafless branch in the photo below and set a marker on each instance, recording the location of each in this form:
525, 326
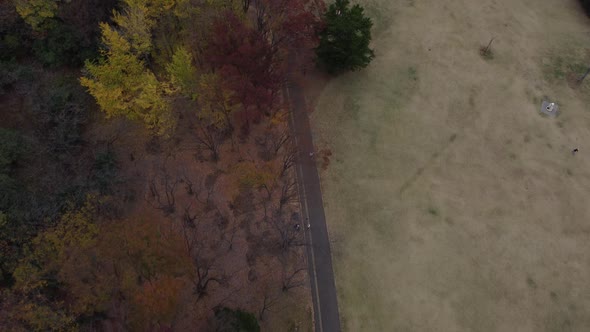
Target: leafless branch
162, 189
267, 303
210, 138
288, 193
291, 281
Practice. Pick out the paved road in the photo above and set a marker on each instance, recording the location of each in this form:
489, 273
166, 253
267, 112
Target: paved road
321, 274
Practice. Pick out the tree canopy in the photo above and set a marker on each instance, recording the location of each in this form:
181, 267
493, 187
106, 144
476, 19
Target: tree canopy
122, 85
344, 42
37, 13
183, 75
105, 225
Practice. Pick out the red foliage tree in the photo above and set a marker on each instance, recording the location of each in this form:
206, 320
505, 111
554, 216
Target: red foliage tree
247, 66
251, 61
290, 23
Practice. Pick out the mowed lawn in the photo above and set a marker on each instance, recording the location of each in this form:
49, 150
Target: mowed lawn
452, 204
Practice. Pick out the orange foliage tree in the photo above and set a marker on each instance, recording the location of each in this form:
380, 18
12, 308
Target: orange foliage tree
82, 267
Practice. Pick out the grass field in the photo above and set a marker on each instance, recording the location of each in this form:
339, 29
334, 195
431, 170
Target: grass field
452, 204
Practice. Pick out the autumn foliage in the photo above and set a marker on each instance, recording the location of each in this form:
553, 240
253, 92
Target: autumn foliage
77, 268
247, 65
251, 58
292, 24
149, 248
123, 86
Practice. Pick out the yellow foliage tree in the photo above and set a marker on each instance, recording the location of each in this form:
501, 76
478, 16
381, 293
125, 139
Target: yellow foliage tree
155, 7
123, 86
42, 317
183, 74
52, 248
90, 263
138, 20
55, 251
37, 13
235, 6
136, 26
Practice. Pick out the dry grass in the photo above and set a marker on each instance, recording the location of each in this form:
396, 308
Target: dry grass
453, 205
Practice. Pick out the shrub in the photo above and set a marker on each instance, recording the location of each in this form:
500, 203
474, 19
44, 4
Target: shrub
14, 75
11, 148
228, 320
14, 41
63, 46
59, 119
105, 171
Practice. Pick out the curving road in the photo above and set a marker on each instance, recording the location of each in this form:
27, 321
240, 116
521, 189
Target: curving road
321, 274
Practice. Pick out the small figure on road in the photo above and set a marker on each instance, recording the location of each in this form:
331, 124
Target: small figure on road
308, 225
574, 151
311, 155
297, 227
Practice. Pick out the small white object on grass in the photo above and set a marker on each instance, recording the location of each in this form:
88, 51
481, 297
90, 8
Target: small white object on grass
549, 108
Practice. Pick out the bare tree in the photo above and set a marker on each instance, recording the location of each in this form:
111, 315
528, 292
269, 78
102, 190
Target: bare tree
273, 140
267, 302
204, 271
230, 234
269, 188
207, 201
288, 160
291, 280
189, 183
288, 234
210, 138
279, 140
162, 188
288, 193
189, 220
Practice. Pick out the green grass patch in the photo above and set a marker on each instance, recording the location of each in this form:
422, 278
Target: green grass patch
412, 73
433, 211
568, 67
532, 284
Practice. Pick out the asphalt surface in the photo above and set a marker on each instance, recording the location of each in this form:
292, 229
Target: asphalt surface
325, 303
